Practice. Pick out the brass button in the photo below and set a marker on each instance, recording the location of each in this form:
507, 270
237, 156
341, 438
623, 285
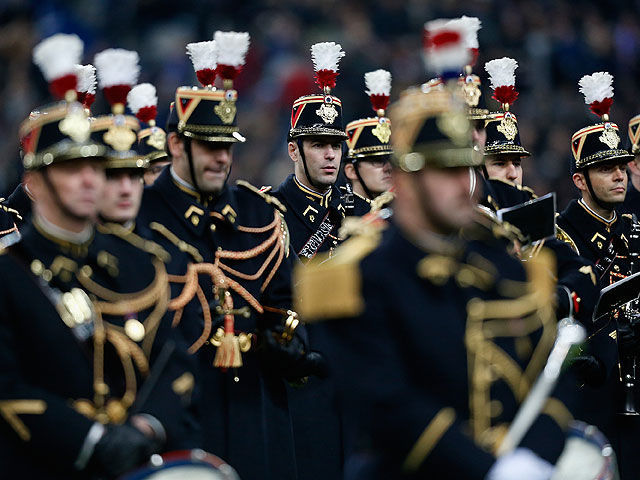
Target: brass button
213, 227
195, 220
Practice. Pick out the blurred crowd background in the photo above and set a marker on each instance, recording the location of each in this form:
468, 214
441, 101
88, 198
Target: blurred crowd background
554, 41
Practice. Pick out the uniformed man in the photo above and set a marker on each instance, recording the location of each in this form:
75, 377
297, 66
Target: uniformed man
503, 150
230, 262
594, 228
577, 289
124, 169
315, 139
631, 202
78, 407
413, 306
368, 167
122, 193
143, 102
314, 215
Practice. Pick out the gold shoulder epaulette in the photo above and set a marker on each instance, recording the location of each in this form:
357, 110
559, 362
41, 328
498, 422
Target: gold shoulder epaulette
262, 192
628, 216
382, 200
137, 241
266, 188
564, 237
331, 288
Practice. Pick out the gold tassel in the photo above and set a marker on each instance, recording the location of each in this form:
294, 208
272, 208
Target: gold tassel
228, 353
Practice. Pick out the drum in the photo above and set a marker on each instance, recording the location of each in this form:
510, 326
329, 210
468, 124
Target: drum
184, 465
587, 455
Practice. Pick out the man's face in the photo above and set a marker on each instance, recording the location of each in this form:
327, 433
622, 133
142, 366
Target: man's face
323, 155
154, 171
374, 171
444, 194
505, 167
479, 135
211, 162
122, 195
609, 182
77, 185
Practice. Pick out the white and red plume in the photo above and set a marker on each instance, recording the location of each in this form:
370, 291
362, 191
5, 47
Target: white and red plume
204, 57
378, 85
326, 57
86, 84
469, 27
57, 57
503, 79
118, 71
232, 53
597, 89
143, 102
444, 46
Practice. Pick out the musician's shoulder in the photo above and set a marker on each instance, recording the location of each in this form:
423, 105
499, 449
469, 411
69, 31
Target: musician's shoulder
563, 236
338, 278
246, 189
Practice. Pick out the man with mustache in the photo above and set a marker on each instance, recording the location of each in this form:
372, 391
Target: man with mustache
230, 271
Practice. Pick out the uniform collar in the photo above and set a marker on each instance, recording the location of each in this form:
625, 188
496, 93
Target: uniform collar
322, 199
601, 219
305, 206
61, 236
187, 204
47, 241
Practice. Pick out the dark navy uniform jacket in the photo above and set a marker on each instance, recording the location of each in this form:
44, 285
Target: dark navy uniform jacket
314, 409
306, 210
47, 373
243, 411
430, 376
606, 244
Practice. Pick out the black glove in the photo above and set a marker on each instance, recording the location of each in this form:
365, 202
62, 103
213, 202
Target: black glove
588, 369
121, 449
289, 358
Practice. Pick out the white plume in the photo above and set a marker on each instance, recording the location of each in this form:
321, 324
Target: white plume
58, 55
450, 57
501, 71
326, 56
140, 96
86, 78
232, 47
117, 67
596, 87
378, 82
203, 55
469, 27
